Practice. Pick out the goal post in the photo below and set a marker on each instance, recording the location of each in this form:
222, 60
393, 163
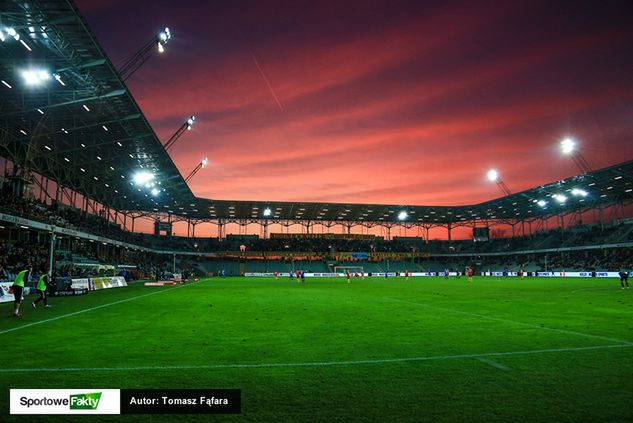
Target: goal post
352, 269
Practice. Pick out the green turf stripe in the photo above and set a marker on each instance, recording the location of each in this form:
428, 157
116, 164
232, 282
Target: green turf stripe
312, 364
88, 309
498, 319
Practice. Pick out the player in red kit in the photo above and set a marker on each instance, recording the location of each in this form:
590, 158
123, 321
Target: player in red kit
298, 273
406, 274
469, 272
276, 275
347, 275
362, 274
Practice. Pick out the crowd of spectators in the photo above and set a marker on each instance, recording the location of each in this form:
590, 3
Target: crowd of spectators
14, 255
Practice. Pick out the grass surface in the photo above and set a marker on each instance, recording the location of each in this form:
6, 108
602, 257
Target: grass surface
375, 350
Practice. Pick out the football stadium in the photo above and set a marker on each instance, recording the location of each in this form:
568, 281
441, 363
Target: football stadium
139, 284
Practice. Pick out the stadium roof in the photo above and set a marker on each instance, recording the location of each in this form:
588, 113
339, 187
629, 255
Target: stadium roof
66, 114
605, 186
73, 119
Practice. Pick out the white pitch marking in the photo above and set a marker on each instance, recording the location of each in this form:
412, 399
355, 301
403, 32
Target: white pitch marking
86, 310
595, 289
312, 364
494, 364
498, 319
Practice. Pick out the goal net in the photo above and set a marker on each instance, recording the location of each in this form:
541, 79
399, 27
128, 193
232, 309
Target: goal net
352, 269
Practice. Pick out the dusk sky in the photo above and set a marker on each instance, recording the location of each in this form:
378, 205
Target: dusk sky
379, 102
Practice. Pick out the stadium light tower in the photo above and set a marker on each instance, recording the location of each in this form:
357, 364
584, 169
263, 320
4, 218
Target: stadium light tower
184, 127
568, 147
493, 176
195, 170
140, 57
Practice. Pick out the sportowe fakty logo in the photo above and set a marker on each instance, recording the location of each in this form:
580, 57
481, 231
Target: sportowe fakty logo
73, 402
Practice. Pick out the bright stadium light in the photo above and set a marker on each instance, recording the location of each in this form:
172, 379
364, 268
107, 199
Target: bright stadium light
35, 77
267, 212
162, 38
13, 33
542, 203
403, 215
568, 145
190, 122
579, 192
142, 177
493, 175
204, 162
155, 191
560, 198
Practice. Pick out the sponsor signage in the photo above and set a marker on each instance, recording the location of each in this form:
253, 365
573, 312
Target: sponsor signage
69, 292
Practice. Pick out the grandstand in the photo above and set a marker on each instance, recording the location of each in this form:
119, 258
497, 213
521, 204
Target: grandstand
80, 165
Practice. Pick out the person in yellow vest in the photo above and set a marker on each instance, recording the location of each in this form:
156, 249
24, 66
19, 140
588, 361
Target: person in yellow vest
41, 288
17, 288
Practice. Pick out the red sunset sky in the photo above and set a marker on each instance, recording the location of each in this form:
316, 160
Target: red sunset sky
383, 101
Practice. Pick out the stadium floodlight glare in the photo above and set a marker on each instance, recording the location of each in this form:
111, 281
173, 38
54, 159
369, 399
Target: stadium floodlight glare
542, 203
403, 215
142, 177
204, 162
579, 192
59, 79
568, 145
13, 33
267, 212
162, 38
35, 77
493, 175
2, 36
155, 191
190, 122
560, 198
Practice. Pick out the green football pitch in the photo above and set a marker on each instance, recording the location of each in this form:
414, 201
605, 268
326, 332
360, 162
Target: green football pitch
427, 349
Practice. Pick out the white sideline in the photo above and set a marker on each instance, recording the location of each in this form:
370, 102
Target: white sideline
87, 310
311, 364
498, 319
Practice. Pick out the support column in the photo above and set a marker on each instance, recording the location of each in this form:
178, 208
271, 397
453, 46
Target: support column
448, 227
50, 257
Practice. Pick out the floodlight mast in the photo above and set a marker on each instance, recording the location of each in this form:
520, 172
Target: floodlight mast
140, 57
183, 128
493, 176
568, 147
196, 169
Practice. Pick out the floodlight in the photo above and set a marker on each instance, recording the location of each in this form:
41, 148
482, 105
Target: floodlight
542, 203
267, 212
579, 192
155, 191
204, 162
162, 36
560, 198
567, 145
35, 77
403, 215
161, 49
493, 175
2, 36
59, 79
12, 32
142, 177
